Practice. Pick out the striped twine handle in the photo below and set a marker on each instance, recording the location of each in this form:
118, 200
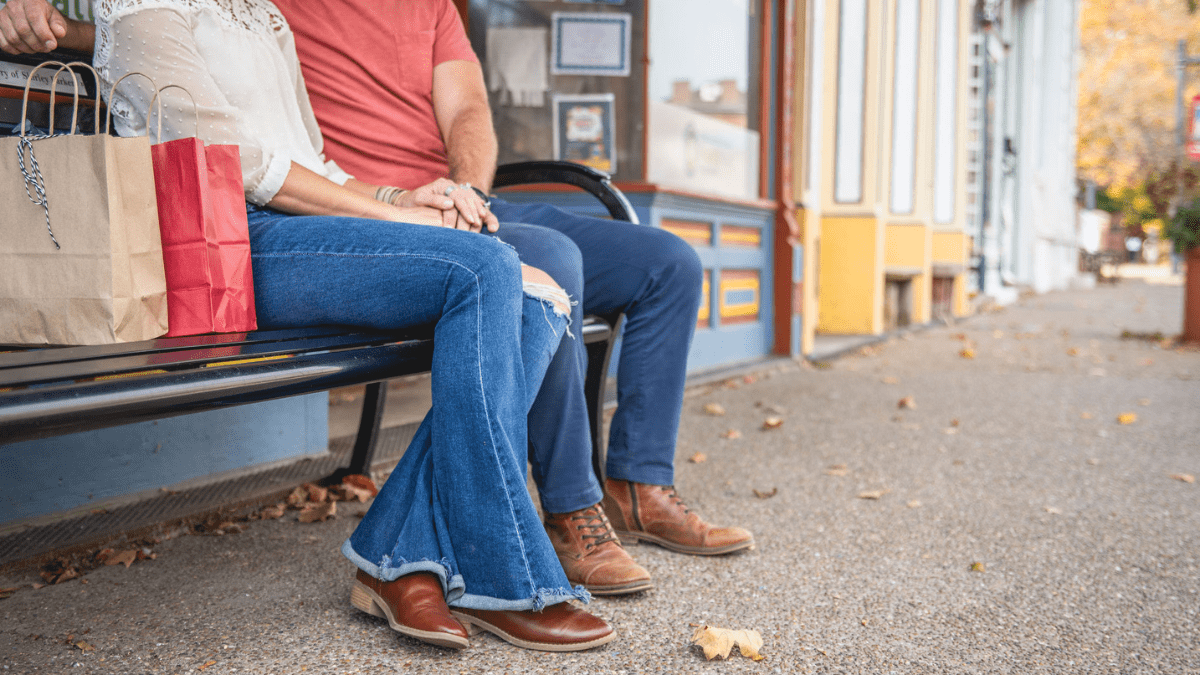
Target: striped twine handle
33, 177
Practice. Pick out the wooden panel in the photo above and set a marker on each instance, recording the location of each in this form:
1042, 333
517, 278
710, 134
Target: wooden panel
694, 232
739, 296
740, 236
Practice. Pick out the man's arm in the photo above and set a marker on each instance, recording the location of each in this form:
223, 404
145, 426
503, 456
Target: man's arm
36, 26
460, 104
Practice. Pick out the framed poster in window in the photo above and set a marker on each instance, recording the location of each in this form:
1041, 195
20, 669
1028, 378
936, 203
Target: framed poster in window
584, 130
590, 44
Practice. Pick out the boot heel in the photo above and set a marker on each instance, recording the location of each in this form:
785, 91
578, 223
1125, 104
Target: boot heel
361, 599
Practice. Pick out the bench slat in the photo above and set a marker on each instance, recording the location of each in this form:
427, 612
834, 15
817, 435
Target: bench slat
42, 412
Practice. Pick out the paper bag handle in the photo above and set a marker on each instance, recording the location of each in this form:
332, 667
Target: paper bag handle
195, 111
53, 90
112, 91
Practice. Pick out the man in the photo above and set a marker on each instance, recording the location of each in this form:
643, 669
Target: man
400, 97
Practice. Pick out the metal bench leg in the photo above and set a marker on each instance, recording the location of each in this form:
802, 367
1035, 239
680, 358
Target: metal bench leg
599, 354
368, 431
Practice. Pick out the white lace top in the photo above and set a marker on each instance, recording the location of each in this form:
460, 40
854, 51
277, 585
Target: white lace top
238, 60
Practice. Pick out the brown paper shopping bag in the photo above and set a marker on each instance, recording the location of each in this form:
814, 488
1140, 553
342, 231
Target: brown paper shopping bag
80, 251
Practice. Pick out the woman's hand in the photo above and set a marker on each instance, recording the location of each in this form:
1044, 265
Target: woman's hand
460, 207
35, 26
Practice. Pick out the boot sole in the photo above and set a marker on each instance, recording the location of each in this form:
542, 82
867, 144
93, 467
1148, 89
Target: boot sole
366, 600
631, 538
619, 589
475, 624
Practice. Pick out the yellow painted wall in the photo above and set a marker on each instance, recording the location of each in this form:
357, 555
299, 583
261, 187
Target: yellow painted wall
951, 247
908, 246
810, 224
850, 276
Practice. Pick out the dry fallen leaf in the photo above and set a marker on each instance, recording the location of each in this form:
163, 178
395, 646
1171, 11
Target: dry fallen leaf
732, 434
207, 664
350, 493
907, 402
698, 458
85, 646
297, 497
1073, 351
1126, 418
720, 641
873, 494
914, 504
714, 409
125, 558
318, 512
361, 482
890, 380
273, 512
977, 567
772, 422
1185, 477
761, 494
837, 470
967, 353
6, 593
316, 493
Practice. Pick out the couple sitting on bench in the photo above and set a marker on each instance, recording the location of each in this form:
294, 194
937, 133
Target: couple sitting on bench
453, 538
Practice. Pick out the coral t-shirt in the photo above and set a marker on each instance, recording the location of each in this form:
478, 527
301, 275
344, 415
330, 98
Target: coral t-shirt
368, 65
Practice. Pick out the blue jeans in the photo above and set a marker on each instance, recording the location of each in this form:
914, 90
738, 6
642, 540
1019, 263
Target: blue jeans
456, 505
654, 278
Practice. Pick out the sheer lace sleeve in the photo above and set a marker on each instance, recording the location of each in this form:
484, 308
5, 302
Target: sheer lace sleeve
159, 40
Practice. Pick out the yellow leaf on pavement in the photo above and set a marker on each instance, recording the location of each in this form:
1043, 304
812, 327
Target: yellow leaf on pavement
873, 494
732, 434
967, 353
1126, 418
1185, 477
698, 458
721, 641
318, 512
714, 409
123, 558
772, 422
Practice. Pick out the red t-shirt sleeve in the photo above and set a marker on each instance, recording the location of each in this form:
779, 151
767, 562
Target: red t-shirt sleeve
450, 40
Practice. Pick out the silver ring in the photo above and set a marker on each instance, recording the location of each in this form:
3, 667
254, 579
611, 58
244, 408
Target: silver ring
450, 189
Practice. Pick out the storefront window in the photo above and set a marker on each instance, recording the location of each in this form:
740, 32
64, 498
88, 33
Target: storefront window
703, 92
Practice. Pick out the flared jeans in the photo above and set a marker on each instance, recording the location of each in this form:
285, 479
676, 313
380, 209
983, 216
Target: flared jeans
456, 504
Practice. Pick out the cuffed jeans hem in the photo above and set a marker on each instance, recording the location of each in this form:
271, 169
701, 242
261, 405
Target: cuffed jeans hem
648, 476
452, 586
576, 501
455, 590
540, 600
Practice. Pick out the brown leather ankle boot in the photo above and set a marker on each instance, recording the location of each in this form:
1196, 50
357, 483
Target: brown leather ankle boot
592, 556
657, 514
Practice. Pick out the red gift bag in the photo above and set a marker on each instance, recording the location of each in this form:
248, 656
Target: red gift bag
205, 237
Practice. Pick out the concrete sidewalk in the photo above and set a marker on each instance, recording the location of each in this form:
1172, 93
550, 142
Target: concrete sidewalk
1018, 528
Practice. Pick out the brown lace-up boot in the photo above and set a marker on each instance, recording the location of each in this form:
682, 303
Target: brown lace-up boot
592, 556
657, 514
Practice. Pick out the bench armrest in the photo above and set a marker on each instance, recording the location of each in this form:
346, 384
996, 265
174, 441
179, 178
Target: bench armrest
596, 183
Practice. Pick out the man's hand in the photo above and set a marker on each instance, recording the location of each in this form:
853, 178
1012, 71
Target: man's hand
30, 27
461, 208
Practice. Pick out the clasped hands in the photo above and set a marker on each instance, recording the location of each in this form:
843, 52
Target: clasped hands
461, 208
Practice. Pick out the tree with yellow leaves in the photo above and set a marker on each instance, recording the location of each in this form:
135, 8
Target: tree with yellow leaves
1127, 87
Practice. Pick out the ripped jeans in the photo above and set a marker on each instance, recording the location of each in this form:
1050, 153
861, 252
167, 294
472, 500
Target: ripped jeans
456, 505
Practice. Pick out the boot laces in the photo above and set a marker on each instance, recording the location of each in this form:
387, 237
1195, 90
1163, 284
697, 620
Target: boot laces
673, 494
598, 526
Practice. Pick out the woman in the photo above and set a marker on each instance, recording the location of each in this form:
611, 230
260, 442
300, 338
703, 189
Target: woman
454, 525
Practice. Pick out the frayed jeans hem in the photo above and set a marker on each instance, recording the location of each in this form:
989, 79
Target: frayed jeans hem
540, 600
452, 586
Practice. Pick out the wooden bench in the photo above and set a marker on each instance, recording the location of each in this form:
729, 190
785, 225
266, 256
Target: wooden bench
52, 391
